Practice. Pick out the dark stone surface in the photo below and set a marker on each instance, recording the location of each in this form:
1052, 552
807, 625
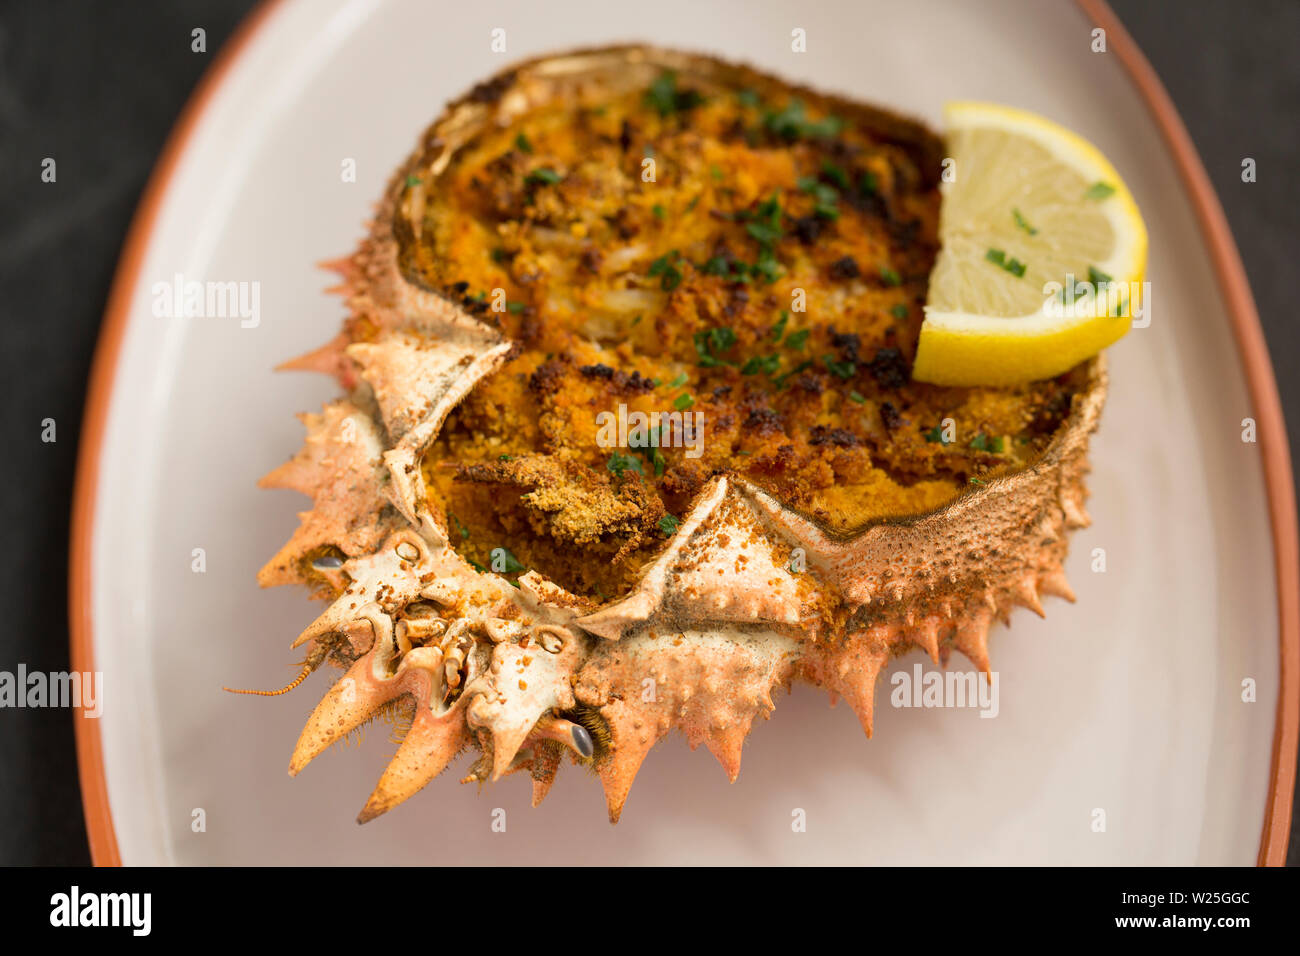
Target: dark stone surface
98, 86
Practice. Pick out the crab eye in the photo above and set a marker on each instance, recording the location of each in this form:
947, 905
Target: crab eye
582, 741
327, 562
408, 552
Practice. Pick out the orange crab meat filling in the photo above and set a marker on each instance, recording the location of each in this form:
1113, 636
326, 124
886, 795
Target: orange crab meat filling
698, 282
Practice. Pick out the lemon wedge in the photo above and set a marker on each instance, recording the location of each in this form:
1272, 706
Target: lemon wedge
1043, 252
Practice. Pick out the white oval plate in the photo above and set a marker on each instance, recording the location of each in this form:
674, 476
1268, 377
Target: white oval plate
1127, 704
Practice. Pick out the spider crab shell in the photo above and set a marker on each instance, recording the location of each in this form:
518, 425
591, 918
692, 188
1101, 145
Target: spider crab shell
747, 597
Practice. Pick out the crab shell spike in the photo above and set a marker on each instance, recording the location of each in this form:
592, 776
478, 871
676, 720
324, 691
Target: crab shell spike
715, 681
352, 701
926, 637
726, 743
1055, 584
698, 578
330, 359
713, 645
611, 622
1026, 595
633, 740
972, 639
434, 740
851, 673
416, 382
546, 764
341, 468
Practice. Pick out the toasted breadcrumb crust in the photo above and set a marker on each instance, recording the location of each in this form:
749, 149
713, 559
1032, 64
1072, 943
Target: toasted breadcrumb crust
752, 256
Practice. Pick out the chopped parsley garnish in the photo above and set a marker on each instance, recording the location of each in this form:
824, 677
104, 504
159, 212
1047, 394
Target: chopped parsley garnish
857, 397
721, 339
747, 98
542, 176
515, 307
765, 232
1095, 276
993, 443
1099, 190
790, 124
668, 524
1023, 223
845, 370
765, 223
764, 364
678, 382
670, 277
732, 270
780, 379
935, 434
659, 211
767, 267
900, 311
665, 98
835, 174
711, 343
825, 198
778, 330
889, 276
867, 184
683, 402
413, 181
460, 528
975, 481
1012, 265
522, 144
503, 457
620, 462
796, 339
655, 456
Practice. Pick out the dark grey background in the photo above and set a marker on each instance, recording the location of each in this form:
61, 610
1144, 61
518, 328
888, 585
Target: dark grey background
98, 86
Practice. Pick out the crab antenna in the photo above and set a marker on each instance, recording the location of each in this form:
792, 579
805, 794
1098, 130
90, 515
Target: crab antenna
306, 670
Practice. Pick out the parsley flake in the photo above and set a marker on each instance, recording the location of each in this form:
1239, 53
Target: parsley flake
620, 462
542, 176
1023, 223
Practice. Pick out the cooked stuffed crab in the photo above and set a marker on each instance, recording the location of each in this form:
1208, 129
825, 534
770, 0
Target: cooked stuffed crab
630, 438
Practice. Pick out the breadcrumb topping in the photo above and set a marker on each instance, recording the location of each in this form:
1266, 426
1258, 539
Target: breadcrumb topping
750, 257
